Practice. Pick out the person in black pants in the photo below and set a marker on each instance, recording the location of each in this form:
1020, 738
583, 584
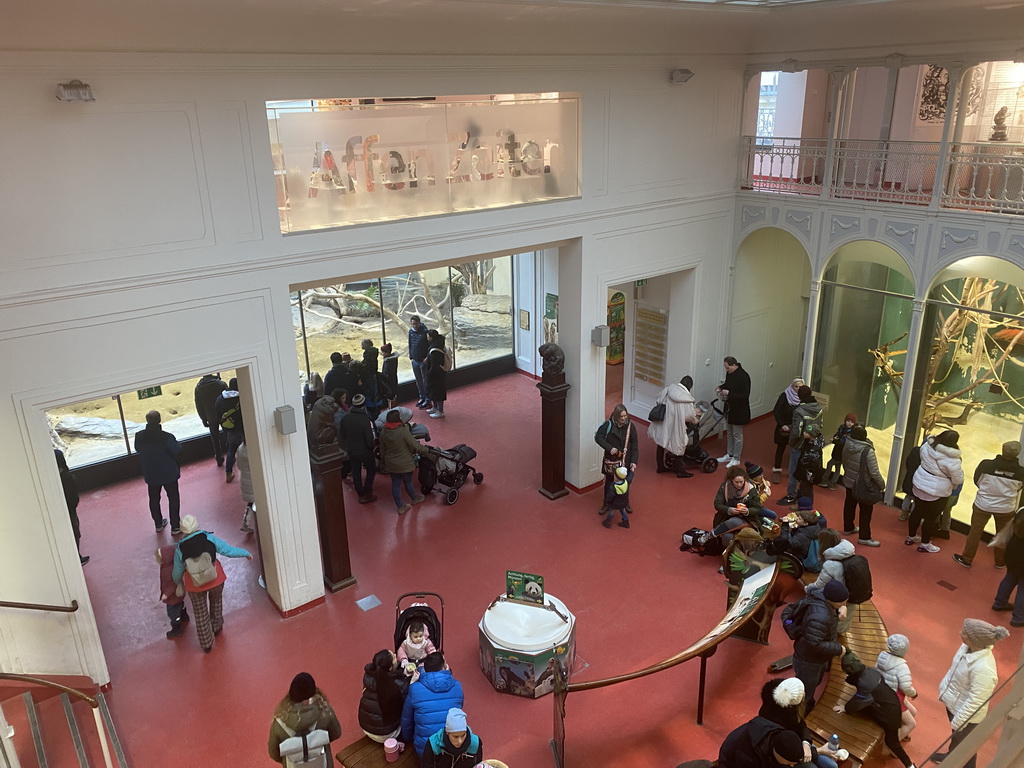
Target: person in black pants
158, 453
67, 480
874, 699
859, 449
207, 391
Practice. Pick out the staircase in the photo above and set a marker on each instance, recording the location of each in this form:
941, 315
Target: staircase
40, 729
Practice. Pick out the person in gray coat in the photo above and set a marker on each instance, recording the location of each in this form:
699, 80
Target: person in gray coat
245, 486
858, 446
158, 453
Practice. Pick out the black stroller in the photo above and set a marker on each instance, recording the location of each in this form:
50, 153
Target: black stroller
695, 455
448, 468
421, 612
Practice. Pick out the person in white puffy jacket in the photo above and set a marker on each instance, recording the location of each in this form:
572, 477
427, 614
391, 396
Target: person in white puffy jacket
670, 434
896, 673
971, 679
939, 473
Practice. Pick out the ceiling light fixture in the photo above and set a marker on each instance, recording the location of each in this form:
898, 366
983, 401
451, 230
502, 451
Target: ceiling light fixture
74, 90
678, 76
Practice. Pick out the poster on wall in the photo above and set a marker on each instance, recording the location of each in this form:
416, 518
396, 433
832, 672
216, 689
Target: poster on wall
550, 318
650, 345
616, 351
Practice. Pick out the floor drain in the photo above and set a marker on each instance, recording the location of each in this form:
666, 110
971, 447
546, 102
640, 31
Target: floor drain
947, 585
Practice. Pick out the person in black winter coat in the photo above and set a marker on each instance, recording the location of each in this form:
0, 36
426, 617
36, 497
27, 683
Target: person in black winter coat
874, 699
158, 453
389, 373
618, 438
735, 391
67, 481
434, 374
783, 414
418, 349
371, 357
229, 416
760, 743
816, 645
207, 391
384, 689
355, 438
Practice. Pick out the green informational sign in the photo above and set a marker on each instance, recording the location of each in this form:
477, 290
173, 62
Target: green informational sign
149, 392
641, 283
524, 587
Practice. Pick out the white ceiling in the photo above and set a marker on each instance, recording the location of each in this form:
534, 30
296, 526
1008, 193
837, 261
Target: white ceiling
779, 28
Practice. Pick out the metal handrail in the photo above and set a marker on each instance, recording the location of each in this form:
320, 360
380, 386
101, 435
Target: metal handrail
41, 606
101, 729
50, 684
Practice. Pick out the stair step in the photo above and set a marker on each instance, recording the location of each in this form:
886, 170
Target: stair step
117, 751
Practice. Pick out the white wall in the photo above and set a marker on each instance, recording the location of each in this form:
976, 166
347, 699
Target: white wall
143, 245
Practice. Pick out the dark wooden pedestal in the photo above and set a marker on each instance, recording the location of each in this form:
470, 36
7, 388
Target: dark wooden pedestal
330, 520
553, 391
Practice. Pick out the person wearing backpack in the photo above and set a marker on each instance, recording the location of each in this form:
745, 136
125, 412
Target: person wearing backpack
842, 563
813, 624
207, 391
199, 573
229, 416
304, 710
435, 373
806, 427
857, 451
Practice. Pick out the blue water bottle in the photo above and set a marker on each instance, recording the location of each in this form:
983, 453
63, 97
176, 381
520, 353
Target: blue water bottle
833, 743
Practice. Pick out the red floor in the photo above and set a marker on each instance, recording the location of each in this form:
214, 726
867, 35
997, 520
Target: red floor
637, 600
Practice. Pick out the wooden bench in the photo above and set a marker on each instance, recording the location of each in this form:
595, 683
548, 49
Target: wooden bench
867, 638
367, 753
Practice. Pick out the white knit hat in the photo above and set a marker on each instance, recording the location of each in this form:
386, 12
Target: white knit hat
789, 692
189, 524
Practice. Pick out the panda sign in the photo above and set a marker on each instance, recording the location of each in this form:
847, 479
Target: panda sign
524, 587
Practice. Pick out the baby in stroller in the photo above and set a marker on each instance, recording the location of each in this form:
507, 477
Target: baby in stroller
414, 648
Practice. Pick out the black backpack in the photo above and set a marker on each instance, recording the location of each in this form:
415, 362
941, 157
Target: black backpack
857, 576
793, 618
702, 542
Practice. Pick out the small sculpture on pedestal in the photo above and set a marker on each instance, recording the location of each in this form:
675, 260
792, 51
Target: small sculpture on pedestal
999, 126
552, 359
323, 437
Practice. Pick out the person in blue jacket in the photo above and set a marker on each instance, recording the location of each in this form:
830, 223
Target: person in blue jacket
428, 701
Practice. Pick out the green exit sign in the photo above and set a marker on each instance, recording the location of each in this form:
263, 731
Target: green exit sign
150, 392
641, 283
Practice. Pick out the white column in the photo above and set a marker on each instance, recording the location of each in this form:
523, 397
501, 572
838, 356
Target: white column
906, 394
813, 313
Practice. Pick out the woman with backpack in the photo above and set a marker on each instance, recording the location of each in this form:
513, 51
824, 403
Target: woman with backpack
198, 571
304, 710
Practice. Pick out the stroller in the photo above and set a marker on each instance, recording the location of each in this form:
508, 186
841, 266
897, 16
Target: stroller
422, 612
710, 417
448, 468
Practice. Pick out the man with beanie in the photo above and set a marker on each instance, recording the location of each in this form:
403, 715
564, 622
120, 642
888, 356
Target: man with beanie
875, 700
999, 482
806, 426
760, 743
355, 437
454, 746
305, 709
158, 453
816, 644
971, 679
426, 705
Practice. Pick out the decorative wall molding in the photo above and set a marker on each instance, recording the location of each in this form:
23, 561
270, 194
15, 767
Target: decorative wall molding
843, 226
752, 213
1016, 244
801, 221
953, 239
904, 234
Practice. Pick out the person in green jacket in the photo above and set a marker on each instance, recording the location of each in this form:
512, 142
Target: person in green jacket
398, 448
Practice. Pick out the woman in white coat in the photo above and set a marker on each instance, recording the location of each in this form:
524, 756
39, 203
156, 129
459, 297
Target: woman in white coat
670, 434
940, 472
970, 681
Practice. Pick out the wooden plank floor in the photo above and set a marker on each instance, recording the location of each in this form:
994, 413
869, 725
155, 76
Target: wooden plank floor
367, 753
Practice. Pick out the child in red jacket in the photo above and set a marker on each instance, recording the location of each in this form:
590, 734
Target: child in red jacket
168, 595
